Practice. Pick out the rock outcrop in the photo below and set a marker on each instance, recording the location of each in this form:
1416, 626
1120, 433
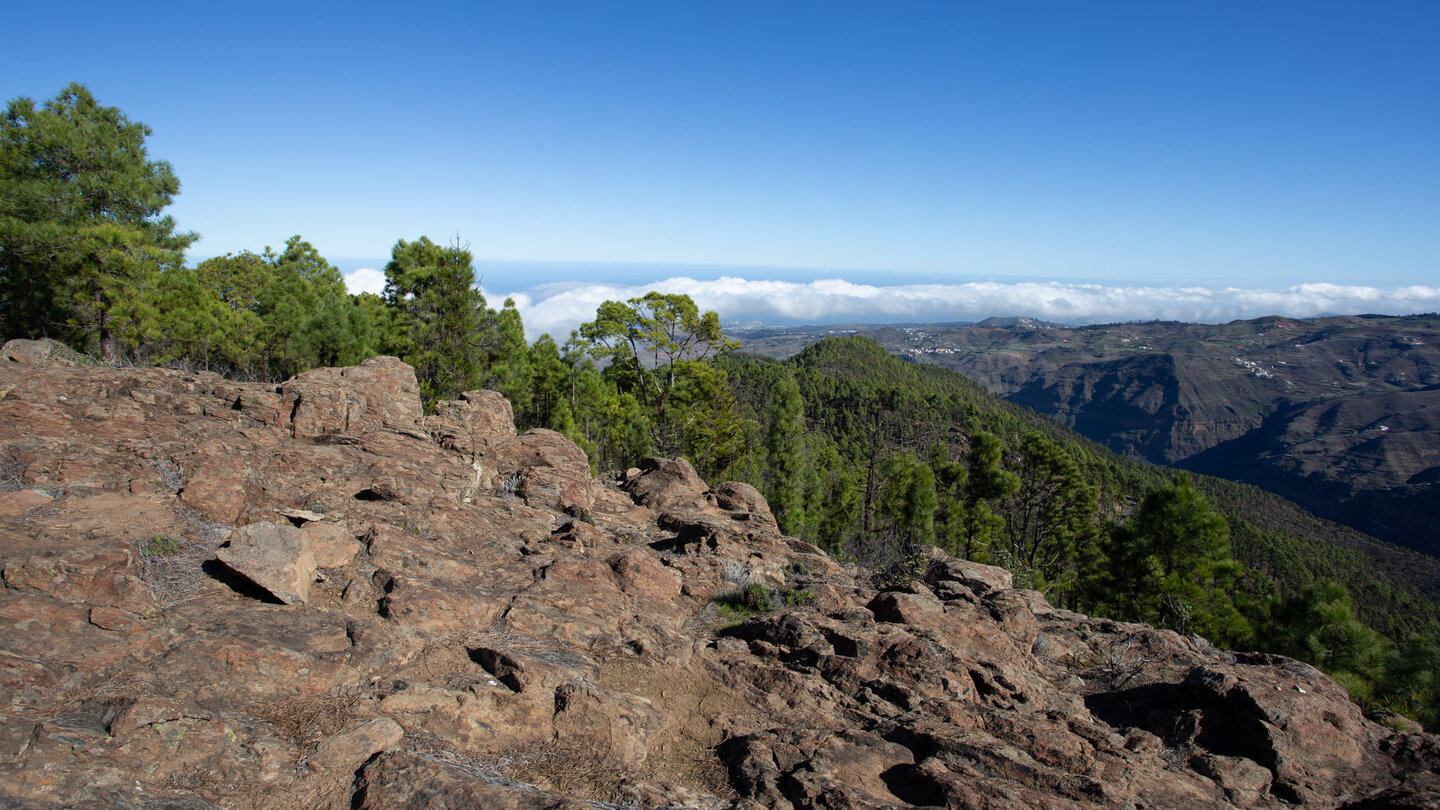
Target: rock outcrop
220, 594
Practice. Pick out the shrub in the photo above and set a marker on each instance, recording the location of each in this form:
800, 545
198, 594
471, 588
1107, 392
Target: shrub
160, 546
756, 598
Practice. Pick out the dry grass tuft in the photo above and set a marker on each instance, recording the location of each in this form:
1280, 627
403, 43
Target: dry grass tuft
296, 789
12, 472
1119, 663
437, 749
563, 768
307, 719
173, 567
542, 766
170, 474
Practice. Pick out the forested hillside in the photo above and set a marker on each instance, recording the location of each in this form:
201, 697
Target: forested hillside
857, 451
1018, 488
919, 408
1340, 414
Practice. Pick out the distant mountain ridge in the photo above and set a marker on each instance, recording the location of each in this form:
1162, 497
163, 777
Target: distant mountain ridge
1339, 414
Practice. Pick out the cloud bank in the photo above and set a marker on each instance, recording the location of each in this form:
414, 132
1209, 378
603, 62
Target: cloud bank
365, 279
558, 308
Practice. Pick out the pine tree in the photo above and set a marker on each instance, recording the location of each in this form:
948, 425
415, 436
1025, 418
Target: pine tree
704, 415
835, 505
950, 512
1411, 682
918, 516
390, 333
176, 318
986, 482
302, 313
905, 500
80, 225
1050, 518
450, 334
1172, 566
339, 333
787, 462
1319, 626
512, 369
650, 343
550, 389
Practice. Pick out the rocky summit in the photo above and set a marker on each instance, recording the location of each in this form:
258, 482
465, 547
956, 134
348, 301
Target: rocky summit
315, 595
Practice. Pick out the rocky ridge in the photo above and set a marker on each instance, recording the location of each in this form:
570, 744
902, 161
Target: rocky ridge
220, 594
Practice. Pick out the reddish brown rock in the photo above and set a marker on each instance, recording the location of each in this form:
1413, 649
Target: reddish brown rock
275, 556
218, 488
975, 577
509, 632
347, 751
21, 501
579, 536
640, 574
35, 352
736, 496
111, 618
380, 392
331, 544
545, 469
665, 485
472, 424
918, 608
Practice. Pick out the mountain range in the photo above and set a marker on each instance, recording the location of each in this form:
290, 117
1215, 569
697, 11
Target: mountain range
1339, 414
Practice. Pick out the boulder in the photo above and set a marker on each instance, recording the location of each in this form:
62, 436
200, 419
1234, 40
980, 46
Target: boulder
906, 608
346, 752
978, 578
744, 499
380, 392
331, 544
35, 352
1243, 780
275, 556
667, 484
544, 469
473, 424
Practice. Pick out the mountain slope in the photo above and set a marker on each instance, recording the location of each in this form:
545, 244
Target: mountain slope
856, 385
1248, 400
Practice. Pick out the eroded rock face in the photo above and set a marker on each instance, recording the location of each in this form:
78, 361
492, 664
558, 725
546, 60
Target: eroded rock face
380, 392
472, 424
45, 350
435, 611
744, 500
544, 469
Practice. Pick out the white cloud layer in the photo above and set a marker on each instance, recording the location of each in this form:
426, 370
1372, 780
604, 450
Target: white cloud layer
365, 279
558, 308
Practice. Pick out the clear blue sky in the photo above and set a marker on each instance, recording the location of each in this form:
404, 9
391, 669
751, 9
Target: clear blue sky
1220, 143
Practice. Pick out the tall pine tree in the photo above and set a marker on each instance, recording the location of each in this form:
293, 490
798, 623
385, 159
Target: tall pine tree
81, 230
785, 451
450, 336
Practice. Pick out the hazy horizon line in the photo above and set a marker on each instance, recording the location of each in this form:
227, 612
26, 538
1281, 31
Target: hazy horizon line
556, 307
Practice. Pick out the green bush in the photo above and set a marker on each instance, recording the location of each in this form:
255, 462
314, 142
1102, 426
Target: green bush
756, 598
160, 546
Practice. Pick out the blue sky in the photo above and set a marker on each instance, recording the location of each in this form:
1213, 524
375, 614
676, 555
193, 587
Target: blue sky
1259, 145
